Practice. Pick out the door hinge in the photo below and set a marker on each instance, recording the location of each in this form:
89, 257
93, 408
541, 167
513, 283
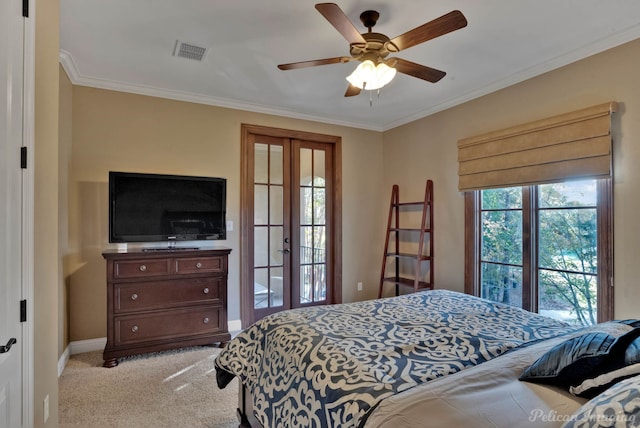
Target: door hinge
25, 8
23, 311
23, 157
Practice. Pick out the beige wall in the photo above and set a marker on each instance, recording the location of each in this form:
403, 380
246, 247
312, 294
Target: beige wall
126, 132
427, 148
64, 168
47, 275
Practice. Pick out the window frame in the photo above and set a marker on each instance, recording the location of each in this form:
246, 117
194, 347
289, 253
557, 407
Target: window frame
604, 212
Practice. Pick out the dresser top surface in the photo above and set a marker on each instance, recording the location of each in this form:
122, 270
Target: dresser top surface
165, 252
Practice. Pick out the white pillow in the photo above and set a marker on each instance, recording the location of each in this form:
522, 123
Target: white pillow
618, 406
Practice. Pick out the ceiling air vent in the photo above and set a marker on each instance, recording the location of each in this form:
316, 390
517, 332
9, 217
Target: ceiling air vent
187, 50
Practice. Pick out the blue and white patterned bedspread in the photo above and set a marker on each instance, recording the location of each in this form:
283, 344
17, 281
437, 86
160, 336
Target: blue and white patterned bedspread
328, 366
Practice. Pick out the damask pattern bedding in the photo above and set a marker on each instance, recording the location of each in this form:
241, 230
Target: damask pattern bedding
329, 366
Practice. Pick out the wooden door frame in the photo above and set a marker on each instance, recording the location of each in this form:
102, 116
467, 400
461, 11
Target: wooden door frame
246, 292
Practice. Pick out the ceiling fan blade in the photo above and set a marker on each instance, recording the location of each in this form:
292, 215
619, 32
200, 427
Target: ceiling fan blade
312, 63
339, 20
352, 91
445, 24
416, 70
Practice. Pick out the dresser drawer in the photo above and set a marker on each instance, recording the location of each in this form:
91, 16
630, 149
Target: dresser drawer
141, 268
166, 325
148, 295
200, 264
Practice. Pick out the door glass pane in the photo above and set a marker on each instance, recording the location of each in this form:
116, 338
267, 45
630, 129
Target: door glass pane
276, 245
276, 174
276, 206
306, 283
306, 205
319, 244
261, 163
306, 171
276, 296
501, 283
306, 244
319, 283
319, 206
261, 288
318, 168
261, 204
260, 245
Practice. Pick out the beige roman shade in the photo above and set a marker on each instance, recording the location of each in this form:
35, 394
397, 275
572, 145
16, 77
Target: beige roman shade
570, 145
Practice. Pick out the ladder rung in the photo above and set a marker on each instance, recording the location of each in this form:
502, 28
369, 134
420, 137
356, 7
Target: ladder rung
406, 204
408, 229
408, 282
409, 255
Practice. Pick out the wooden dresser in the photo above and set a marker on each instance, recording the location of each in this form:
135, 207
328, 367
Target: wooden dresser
165, 299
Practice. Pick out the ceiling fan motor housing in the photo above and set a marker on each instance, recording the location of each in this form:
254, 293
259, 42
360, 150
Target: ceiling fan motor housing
377, 45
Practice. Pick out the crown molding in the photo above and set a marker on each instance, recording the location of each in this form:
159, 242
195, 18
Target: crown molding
70, 67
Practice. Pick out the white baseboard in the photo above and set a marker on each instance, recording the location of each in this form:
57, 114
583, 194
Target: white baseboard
234, 325
62, 362
78, 347
90, 345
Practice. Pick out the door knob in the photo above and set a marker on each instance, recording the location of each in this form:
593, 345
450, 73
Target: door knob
284, 251
7, 347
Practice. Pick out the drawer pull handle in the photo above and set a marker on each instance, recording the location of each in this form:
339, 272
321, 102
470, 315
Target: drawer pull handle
134, 296
198, 265
206, 320
134, 329
143, 268
206, 290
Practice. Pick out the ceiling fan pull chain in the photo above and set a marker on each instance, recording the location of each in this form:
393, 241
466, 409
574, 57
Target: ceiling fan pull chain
370, 99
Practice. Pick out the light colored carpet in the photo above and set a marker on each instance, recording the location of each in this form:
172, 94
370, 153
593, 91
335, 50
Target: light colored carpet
167, 389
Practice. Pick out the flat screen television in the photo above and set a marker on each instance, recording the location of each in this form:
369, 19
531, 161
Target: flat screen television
157, 208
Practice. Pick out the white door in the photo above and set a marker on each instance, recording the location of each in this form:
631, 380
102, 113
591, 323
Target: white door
11, 112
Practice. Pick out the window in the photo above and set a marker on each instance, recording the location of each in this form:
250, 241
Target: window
545, 248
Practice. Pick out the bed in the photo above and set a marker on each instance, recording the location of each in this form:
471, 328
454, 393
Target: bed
432, 358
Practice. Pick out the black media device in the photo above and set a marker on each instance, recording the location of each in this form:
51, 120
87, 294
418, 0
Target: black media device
157, 208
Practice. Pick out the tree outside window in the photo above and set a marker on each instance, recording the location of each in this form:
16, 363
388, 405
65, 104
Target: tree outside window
538, 248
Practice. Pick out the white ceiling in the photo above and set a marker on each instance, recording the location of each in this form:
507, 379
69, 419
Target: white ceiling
128, 46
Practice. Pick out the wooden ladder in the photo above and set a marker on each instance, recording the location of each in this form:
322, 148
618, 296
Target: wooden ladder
425, 231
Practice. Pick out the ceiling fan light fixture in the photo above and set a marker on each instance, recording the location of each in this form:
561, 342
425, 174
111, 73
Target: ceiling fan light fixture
370, 76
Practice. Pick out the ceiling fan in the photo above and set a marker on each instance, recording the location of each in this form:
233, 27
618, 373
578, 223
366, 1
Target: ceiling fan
371, 49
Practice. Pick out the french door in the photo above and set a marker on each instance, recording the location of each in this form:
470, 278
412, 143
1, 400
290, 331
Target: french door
289, 222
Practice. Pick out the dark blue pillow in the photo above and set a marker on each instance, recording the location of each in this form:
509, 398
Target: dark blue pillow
585, 357
632, 354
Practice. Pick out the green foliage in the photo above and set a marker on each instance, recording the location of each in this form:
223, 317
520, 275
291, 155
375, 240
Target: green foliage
567, 251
